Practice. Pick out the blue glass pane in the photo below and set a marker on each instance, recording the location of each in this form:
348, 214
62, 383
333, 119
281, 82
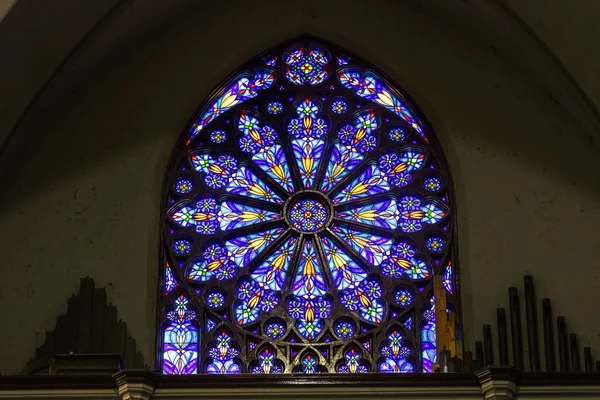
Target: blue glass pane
309, 281
372, 247
272, 272
234, 215
369, 183
381, 214
245, 248
180, 341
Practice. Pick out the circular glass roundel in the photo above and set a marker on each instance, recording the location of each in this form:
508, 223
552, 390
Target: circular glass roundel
182, 246
397, 134
215, 299
345, 328
183, 186
303, 212
218, 136
274, 107
435, 244
403, 297
339, 106
432, 183
275, 329
308, 215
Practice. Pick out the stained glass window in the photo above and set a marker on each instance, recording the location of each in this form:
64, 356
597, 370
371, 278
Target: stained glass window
306, 211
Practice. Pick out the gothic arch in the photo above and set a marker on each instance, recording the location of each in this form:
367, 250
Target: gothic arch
306, 209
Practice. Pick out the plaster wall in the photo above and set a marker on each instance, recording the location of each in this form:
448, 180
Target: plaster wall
571, 30
35, 39
83, 175
5, 6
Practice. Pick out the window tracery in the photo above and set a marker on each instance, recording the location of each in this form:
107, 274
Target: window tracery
307, 209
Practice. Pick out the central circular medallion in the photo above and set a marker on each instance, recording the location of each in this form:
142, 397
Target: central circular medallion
308, 215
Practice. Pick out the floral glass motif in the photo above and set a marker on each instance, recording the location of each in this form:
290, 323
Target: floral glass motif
267, 362
274, 107
182, 246
309, 364
435, 243
183, 186
218, 136
311, 227
403, 297
432, 183
345, 329
215, 299
223, 356
308, 215
275, 330
397, 134
180, 340
396, 357
353, 364
306, 65
339, 106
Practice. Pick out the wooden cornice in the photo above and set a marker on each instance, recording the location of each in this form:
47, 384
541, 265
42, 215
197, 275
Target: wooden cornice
56, 382
145, 384
287, 380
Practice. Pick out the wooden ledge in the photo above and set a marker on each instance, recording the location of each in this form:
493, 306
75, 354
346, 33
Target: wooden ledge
52, 382
559, 379
289, 380
147, 385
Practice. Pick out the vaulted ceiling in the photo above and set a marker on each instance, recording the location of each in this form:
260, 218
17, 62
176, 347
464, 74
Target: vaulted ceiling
552, 42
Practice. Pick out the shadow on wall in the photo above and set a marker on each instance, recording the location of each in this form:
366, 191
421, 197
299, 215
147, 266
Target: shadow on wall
89, 326
144, 91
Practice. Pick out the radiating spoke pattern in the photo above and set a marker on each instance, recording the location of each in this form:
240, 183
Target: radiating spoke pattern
289, 216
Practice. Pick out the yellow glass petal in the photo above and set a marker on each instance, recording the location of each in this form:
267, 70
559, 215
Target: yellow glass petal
360, 134
228, 100
404, 264
278, 171
309, 268
400, 167
307, 163
417, 214
254, 134
368, 215
248, 216
214, 168
338, 168
256, 243
278, 262
338, 261
214, 265
385, 98
253, 302
201, 216
359, 188
257, 190
309, 314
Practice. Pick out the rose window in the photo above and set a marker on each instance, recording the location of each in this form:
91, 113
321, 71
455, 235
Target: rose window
308, 211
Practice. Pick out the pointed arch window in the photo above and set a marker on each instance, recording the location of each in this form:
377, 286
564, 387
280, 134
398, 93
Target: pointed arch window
307, 209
